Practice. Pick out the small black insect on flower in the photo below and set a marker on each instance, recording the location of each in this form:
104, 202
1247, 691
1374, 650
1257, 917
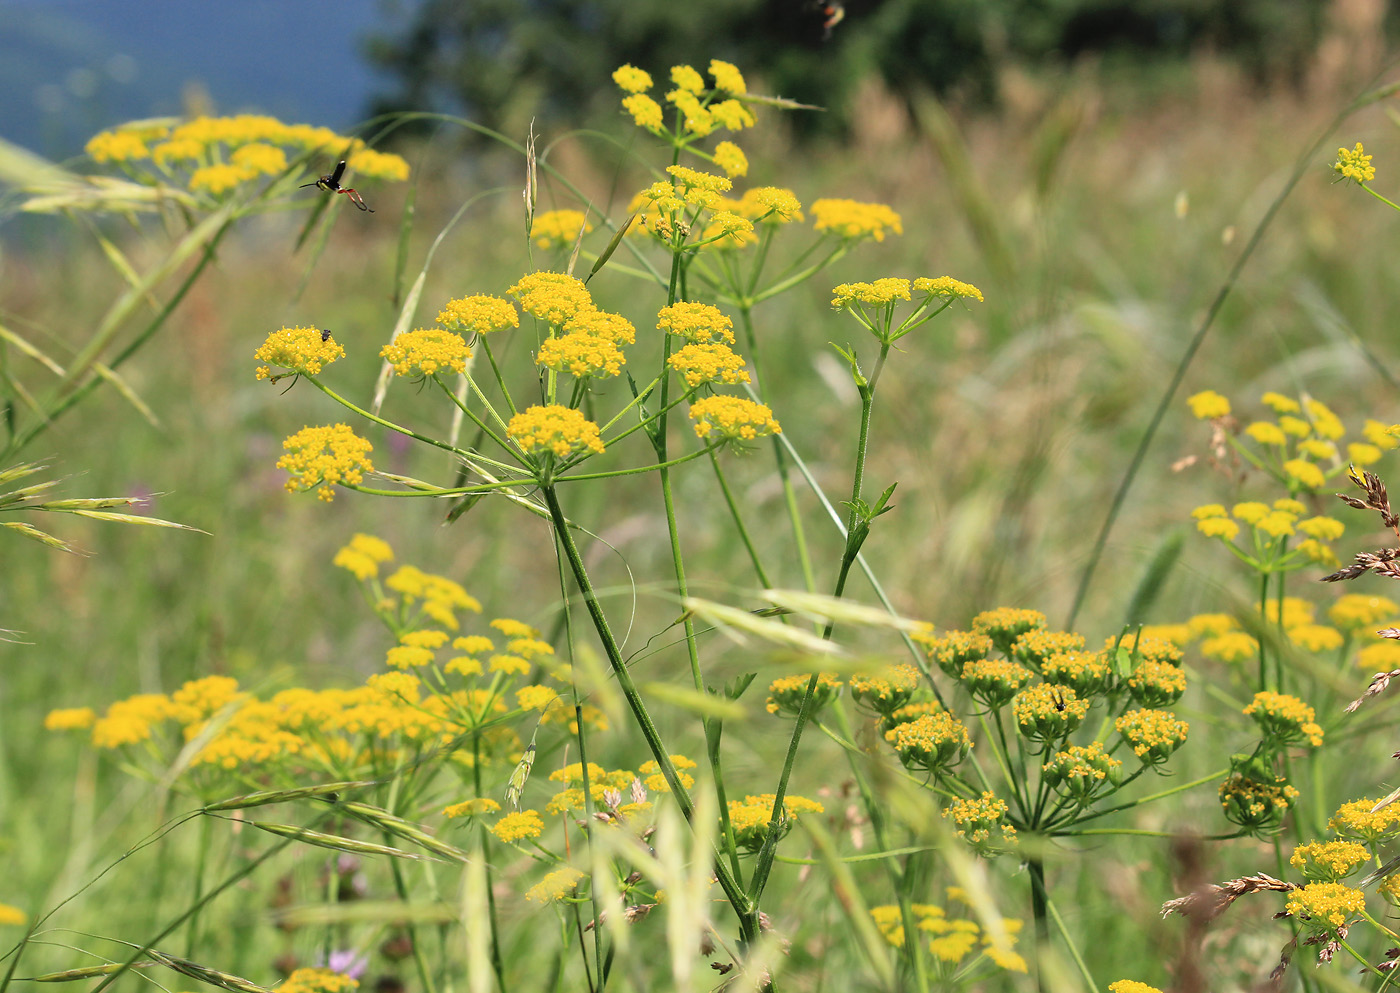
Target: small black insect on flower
325, 334
331, 184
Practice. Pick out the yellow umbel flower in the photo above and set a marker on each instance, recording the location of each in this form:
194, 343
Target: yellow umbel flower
121, 145
854, 221
1208, 405
601, 324
554, 430
1152, 734
555, 886
1354, 164
219, 178
646, 112
1361, 610
695, 322
425, 352
1325, 907
522, 824
478, 314
1329, 861
471, 808
559, 228
732, 418
12, 916
324, 456
302, 351
708, 363
728, 78
931, 742
1005, 624
363, 555
70, 719
631, 79
1284, 719
553, 297
947, 286
318, 981
1131, 986
698, 120
1267, 433
877, 294
687, 79
732, 114
769, 205
1360, 820
975, 819
730, 157
581, 356
786, 693
886, 691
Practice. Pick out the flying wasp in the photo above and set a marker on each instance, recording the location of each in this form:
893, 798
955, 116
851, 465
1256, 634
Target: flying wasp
331, 184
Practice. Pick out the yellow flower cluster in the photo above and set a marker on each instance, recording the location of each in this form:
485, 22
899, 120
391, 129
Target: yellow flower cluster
952, 939
1082, 771
555, 886
701, 110
301, 351
931, 742
1006, 624
732, 418
324, 456
708, 363
601, 324
730, 157
852, 220
1255, 805
947, 286
768, 205
1276, 522
1284, 719
993, 682
554, 430
559, 228
224, 152
1153, 735
1354, 164
1360, 820
581, 355
1325, 907
478, 314
1329, 861
697, 323
786, 693
977, 817
553, 297
750, 817
317, 981
363, 556
877, 294
887, 690
426, 352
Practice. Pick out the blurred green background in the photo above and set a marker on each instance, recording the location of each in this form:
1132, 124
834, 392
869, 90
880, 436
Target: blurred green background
1094, 167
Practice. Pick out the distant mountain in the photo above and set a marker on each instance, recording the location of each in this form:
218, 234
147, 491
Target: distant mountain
69, 68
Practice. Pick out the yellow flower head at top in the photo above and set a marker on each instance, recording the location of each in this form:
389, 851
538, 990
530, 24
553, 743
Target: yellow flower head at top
708, 363
559, 228
728, 78
854, 221
553, 297
877, 294
687, 79
646, 112
631, 79
302, 351
324, 456
425, 352
732, 418
478, 314
698, 323
1354, 164
554, 430
947, 286
318, 981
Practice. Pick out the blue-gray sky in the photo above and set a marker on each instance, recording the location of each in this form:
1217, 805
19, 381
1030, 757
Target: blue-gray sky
69, 68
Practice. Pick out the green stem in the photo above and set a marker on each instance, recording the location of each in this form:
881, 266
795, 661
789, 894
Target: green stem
743, 907
401, 888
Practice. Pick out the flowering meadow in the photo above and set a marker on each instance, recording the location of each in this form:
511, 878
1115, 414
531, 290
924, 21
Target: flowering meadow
641, 572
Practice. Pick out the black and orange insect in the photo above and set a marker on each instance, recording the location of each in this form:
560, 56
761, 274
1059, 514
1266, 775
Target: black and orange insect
832, 14
331, 184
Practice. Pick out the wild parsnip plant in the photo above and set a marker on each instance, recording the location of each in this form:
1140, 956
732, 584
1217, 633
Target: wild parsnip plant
457, 818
